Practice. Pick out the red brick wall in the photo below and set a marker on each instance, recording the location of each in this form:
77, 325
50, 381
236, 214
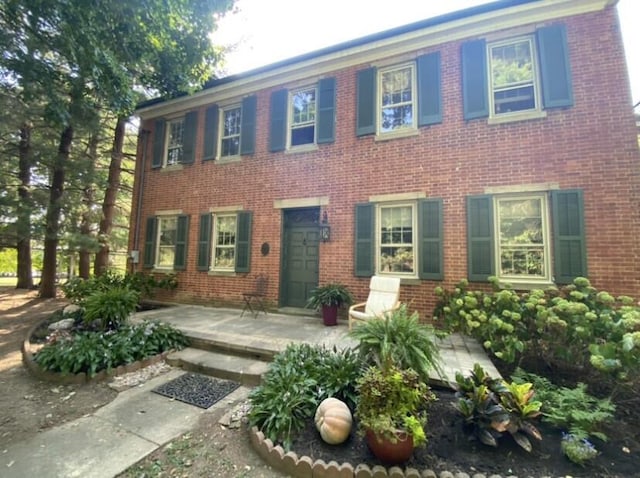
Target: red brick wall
591, 145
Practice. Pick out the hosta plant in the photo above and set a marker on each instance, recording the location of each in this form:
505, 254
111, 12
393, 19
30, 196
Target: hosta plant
491, 407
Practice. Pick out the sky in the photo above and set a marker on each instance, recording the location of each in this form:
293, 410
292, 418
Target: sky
266, 31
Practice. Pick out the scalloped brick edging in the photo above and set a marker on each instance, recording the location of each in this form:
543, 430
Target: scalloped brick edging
79, 378
305, 467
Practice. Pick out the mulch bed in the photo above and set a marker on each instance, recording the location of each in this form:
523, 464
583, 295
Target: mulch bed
450, 448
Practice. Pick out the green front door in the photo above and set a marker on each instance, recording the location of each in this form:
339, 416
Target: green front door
300, 257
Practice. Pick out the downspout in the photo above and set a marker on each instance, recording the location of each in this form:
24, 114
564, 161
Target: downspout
144, 133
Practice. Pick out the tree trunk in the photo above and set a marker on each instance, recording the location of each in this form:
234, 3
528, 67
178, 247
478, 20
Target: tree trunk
108, 206
23, 224
84, 262
49, 263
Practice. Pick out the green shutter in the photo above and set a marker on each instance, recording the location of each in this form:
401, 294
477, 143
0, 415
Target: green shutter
150, 242
557, 90
158, 144
243, 242
182, 236
278, 121
569, 247
204, 242
429, 89
210, 147
248, 125
326, 110
475, 93
365, 244
366, 102
189, 138
480, 240
430, 236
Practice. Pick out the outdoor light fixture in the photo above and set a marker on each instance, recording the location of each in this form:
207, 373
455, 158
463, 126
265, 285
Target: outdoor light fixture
325, 229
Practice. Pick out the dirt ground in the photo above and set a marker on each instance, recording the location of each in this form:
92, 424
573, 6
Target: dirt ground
30, 406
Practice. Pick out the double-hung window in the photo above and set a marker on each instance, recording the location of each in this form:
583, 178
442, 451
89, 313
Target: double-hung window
396, 98
165, 243
302, 115
523, 246
513, 76
175, 141
224, 243
397, 239
231, 121
167, 235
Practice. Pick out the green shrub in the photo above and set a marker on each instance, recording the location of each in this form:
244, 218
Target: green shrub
578, 450
298, 379
399, 338
91, 352
570, 409
111, 307
576, 326
491, 407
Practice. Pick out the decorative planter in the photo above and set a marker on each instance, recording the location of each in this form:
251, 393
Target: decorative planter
330, 315
388, 452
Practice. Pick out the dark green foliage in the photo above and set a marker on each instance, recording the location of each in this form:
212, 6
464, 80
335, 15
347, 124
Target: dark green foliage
298, 379
333, 294
77, 290
491, 407
393, 399
576, 326
570, 409
111, 308
399, 338
91, 352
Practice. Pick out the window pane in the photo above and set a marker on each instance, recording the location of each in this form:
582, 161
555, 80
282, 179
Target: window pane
512, 77
230, 147
167, 241
225, 242
302, 135
230, 139
522, 248
174, 143
396, 239
304, 106
396, 99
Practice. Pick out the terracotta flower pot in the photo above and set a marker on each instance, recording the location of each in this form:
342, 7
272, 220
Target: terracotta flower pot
388, 452
330, 315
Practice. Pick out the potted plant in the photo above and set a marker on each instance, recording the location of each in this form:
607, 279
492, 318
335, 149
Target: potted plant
328, 298
392, 412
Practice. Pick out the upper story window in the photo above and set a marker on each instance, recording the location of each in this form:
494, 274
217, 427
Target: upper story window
175, 140
513, 76
302, 117
397, 239
231, 120
397, 98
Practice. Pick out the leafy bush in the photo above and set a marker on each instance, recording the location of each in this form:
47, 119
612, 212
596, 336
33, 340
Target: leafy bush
578, 450
91, 352
576, 325
298, 379
570, 409
399, 338
492, 406
111, 307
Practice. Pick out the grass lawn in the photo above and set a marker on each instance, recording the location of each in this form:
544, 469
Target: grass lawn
8, 281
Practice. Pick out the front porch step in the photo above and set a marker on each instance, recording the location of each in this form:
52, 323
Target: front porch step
247, 371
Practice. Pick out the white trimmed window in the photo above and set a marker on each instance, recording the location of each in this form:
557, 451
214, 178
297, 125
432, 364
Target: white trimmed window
166, 242
513, 76
302, 114
230, 122
175, 141
396, 239
397, 96
522, 232
224, 242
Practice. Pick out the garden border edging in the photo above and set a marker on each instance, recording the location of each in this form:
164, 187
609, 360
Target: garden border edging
79, 378
306, 467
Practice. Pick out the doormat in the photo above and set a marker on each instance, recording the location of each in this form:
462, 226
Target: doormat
196, 389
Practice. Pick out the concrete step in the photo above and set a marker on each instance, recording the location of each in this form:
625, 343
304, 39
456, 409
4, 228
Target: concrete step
233, 344
245, 370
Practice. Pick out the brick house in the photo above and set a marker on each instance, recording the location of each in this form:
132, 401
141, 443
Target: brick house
497, 140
